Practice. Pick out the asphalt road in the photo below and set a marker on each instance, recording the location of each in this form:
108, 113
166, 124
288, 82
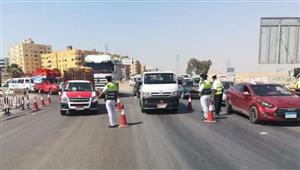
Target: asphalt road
47, 140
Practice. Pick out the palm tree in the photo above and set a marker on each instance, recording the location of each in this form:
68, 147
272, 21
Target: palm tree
14, 70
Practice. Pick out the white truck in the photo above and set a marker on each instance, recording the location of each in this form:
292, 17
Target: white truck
159, 90
102, 65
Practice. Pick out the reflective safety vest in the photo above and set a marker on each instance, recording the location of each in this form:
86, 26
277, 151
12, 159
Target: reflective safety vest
298, 84
219, 88
112, 91
207, 88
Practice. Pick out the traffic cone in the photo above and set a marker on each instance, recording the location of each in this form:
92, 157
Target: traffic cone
48, 99
35, 106
42, 101
190, 108
118, 105
123, 121
210, 114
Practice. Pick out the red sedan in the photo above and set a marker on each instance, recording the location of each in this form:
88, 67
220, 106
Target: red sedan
263, 102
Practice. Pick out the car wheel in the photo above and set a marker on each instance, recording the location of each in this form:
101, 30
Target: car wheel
40, 91
174, 110
63, 113
253, 115
229, 109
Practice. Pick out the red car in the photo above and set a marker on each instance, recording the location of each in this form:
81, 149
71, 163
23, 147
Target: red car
48, 85
263, 102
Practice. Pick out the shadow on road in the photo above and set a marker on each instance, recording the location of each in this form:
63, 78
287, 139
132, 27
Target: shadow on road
134, 123
182, 109
285, 124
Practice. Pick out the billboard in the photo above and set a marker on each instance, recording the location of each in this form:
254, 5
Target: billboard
279, 41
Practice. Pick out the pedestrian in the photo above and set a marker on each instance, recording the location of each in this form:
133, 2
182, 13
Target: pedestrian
217, 92
205, 92
111, 91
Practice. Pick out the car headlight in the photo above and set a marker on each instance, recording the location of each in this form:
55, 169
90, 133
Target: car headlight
94, 99
64, 100
174, 93
146, 94
266, 104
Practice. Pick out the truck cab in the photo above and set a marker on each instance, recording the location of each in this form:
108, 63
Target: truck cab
159, 90
78, 95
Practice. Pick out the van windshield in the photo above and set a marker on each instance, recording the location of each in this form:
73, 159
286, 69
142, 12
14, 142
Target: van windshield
78, 86
159, 78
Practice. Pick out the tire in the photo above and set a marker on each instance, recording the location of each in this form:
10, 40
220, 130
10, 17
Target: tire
63, 113
229, 109
175, 110
253, 115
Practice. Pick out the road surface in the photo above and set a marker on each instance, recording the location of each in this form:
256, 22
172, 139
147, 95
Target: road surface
46, 140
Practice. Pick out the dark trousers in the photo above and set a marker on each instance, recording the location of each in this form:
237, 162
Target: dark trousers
218, 103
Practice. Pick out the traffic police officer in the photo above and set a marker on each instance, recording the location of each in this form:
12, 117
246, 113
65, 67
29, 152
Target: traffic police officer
217, 91
205, 92
111, 92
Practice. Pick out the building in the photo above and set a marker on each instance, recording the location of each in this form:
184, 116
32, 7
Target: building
4, 62
28, 55
143, 68
135, 67
63, 60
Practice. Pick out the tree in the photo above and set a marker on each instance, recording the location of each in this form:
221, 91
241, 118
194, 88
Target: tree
14, 70
197, 67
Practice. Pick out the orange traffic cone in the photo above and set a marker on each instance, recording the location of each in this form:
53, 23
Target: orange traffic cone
118, 105
210, 114
48, 99
190, 108
35, 106
123, 121
42, 101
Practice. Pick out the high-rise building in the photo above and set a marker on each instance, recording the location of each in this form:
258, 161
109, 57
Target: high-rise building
28, 55
63, 60
135, 67
3, 64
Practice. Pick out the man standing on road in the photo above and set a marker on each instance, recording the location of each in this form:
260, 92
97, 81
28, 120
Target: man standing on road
205, 92
111, 92
217, 91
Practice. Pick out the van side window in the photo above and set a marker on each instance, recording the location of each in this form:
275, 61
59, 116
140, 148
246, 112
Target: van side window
14, 81
20, 81
27, 81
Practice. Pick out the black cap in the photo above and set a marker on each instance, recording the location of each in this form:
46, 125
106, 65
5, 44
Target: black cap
108, 78
204, 76
214, 76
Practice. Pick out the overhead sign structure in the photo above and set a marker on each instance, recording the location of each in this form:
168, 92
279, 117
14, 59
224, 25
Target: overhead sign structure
279, 41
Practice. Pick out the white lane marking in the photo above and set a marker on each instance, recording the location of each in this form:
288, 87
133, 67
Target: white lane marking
263, 133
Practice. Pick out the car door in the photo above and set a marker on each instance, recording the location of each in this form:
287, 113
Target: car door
234, 95
245, 99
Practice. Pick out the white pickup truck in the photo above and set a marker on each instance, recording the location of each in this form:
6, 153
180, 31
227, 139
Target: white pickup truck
159, 90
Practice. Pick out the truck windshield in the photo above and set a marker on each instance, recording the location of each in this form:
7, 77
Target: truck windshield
159, 78
76, 86
101, 67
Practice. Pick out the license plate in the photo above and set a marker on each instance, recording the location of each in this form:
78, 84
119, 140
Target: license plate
79, 108
290, 115
161, 105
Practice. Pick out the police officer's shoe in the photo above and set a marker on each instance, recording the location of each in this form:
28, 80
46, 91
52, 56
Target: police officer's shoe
114, 126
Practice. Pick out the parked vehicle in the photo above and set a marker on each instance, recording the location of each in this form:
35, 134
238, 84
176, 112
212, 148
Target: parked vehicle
21, 83
46, 80
78, 95
226, 86
186, 88
263, 102
136, 86
159, 91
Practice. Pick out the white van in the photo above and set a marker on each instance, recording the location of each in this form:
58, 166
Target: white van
159, 90
21, 83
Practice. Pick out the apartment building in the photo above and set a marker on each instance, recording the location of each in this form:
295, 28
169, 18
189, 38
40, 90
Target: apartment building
68, 58
27, 55
3, 64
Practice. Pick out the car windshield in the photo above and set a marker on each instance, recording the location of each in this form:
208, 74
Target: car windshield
227, 84
159, 78
76, 86
270, 90
187, 84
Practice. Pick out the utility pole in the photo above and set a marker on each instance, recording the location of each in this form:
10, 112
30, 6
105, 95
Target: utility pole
106, 48
177, 63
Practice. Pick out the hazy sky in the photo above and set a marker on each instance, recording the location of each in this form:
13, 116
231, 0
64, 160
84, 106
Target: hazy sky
153, 32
